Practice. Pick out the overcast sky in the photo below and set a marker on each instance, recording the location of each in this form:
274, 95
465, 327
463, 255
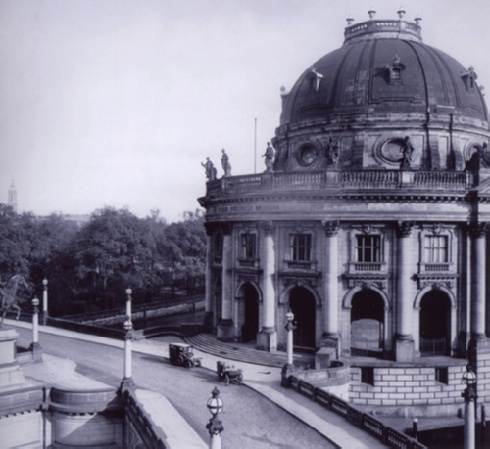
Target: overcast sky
117, 102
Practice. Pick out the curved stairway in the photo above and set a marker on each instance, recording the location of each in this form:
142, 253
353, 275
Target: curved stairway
241, 352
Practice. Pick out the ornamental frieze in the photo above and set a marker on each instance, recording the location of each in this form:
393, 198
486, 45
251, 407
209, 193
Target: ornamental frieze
435, 281
355, 280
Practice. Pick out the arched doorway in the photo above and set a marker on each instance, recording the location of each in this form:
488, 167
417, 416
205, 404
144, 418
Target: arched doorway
303, 305
250, 326
435, 324
367, 323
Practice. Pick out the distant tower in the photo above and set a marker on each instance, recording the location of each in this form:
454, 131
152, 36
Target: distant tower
13, 196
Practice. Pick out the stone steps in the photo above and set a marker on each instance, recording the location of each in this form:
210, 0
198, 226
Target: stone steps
239, 352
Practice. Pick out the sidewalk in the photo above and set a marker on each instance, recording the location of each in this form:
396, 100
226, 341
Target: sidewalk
265, 380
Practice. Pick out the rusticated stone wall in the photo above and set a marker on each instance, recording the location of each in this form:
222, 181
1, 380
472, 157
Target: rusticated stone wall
407, 390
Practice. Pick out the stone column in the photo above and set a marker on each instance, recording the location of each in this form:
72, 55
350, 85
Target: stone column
225, 329
267, 337
405, 344
209, 305
330, 338
478, 279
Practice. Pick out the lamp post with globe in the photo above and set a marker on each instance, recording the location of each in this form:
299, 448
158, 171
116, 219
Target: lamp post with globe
214, 426
469, 394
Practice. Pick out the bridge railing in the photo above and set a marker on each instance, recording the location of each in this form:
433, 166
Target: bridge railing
387, 435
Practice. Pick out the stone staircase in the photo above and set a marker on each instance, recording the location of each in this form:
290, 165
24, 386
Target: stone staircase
243, 352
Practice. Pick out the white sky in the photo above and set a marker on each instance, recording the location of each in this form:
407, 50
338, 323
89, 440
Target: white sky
117, 102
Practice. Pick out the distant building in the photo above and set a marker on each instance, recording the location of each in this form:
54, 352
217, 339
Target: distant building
370, 221
12, 196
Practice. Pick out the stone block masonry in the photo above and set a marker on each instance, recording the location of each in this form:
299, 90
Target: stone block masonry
405, 390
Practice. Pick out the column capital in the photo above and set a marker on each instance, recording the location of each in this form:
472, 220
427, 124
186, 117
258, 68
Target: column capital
268, 227
477, 230
404, 228
226, 228
331, 228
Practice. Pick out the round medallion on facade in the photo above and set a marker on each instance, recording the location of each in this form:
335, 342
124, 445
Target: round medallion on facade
307, 155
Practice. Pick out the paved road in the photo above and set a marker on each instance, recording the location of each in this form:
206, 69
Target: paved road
250, 420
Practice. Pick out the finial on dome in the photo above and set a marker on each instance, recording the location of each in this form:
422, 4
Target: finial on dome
350, 21
371, 13
283, 91
401, 12
418, 19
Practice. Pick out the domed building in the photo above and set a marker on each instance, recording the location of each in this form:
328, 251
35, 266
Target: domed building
370, 220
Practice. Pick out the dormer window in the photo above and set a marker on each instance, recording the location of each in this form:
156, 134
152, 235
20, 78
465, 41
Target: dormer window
315, 78
395, 71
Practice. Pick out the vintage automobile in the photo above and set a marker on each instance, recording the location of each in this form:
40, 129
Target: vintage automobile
182, 354
227, 373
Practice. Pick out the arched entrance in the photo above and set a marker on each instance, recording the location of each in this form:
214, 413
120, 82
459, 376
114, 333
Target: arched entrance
435, 324
250, 326
367, 323
303, 305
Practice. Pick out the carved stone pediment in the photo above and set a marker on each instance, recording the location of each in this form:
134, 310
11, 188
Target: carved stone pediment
435, 280
366, 280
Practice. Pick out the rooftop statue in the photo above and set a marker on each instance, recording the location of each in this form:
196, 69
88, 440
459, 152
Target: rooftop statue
211, 171
269, 157
8, 292
225, 163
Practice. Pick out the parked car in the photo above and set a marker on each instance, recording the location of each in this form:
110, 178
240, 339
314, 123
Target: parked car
227, 373
182, 354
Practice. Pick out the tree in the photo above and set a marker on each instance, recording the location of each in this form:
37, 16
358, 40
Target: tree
186, 251
113, 250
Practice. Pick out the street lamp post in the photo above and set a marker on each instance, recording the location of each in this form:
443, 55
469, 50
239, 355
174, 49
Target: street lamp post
469, 394
45, 301
289, 366
128, 336
214, 426
35, 346
289, 343
128, 303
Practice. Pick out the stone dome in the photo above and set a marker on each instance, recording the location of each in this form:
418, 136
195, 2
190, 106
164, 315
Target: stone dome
383, 66
360, 105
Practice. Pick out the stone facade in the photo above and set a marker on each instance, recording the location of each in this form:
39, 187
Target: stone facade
371, 222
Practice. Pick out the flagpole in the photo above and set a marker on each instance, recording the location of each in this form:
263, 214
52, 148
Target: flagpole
255, 147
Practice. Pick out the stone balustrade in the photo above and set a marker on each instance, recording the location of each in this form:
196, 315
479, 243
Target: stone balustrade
344, 181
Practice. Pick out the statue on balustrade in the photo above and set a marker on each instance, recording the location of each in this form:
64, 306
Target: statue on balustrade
480, 157
225, 163
211, 171
331, 152
407, 151
269, 157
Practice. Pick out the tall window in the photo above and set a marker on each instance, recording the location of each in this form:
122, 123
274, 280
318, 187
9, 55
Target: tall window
368, 248
249, 246
300, 246
436, 249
